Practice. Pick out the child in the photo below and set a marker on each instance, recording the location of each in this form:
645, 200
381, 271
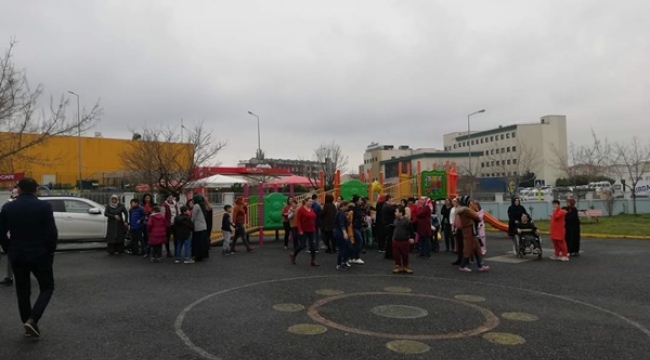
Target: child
183, 228
527, 227
558, 233
342, 237
227, 227
136, 227
403, 238
157, 231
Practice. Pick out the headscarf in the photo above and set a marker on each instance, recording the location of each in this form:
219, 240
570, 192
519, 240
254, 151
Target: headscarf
199, 200
464, 200
110, 202
239, 200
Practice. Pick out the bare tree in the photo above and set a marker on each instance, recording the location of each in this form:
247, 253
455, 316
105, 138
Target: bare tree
22, 121
330, 158
631, 160
158, 157
513, 161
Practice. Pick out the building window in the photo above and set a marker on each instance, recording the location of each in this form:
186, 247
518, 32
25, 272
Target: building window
508, 162
492, 163
485, 153
482, 164
493, 174
503, 150
514, 148
508, 149
514, 161
492, 152
501, 136
513, 135
508, 137
454, 146
515, 173
497, 150
491, 138
498, 163
481, 140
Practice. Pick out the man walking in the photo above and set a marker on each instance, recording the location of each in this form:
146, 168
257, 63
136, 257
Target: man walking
28, 231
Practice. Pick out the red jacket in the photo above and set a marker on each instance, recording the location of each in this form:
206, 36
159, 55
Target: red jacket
414, 210
557, 225
157, 229
306, 220
423, 221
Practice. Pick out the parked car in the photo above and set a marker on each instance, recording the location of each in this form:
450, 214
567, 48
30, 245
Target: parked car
78, 219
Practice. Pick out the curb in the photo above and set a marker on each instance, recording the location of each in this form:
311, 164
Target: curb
592, 236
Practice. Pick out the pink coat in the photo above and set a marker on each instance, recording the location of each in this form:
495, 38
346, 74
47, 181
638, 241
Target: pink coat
157, 229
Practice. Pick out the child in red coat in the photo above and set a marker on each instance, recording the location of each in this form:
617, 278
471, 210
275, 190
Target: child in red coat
557, 233
157, 231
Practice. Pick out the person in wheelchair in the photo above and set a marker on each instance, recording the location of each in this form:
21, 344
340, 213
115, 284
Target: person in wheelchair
527, 230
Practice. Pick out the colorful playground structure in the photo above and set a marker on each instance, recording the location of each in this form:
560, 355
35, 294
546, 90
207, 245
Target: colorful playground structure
437, 184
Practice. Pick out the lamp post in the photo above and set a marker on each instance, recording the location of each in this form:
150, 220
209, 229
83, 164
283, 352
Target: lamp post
78, 135
259, 142
469, 147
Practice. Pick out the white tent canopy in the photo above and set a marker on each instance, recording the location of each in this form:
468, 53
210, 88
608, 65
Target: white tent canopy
217, 181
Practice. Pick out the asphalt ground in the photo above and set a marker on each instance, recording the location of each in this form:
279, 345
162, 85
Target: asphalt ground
259, 306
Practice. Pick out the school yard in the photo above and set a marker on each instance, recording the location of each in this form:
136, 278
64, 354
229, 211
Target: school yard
259, 306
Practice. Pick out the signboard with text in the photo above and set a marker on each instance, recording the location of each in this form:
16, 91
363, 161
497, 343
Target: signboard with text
12, 177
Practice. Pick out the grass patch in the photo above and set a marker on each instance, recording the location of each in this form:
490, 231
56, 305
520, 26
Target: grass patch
638, 225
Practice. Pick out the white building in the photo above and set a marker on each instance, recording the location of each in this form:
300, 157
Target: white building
376, 153
508, 151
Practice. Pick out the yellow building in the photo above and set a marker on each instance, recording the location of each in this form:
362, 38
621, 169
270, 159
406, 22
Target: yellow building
56, 161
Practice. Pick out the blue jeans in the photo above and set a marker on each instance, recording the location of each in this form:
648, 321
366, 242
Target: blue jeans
358, 244
181, 245
344, 246
425, 246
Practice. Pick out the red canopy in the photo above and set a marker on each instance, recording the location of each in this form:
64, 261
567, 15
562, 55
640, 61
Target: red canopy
294, 180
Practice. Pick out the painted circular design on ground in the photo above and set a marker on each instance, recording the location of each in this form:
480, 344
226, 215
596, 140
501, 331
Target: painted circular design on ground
491, 320
519, 316
399, 311
288, 307
178, 324
397, 289
407, 347
307, 329
504, 338
470, 298
329, 292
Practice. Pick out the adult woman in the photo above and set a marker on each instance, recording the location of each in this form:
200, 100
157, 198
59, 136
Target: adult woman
481, 225
515, 211
466, 219
328, 218
388, 219
455, 228
286, 223
572, 228
239, 214
445, 211
208, 221
116, 225
147, 205
293, 223
306, 221
338, 201
200, 234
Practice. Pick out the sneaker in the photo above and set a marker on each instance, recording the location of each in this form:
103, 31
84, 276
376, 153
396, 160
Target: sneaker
152, 260
484, 268
314, 263
177, 261
465, 269
397, 269
357, 261
554, 258
536, 251
250, 250
144, 256
190, 261
7, 281
382, 251
347, 263
32, 329
407, 270
341, 267
564, 258
225, 252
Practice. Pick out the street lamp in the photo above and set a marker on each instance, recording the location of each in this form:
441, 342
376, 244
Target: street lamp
78, 134
469, 147
259, 142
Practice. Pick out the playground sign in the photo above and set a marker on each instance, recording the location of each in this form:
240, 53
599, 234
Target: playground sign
434, 184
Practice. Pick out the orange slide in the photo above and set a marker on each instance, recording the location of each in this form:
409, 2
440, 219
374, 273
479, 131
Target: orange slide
494, 222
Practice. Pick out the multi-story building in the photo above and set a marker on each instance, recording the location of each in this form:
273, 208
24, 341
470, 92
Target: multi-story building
508, 151
375, 154
307, 168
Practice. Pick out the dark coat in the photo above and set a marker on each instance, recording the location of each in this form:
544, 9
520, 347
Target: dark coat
183, 227
572, 229
32, 231
388, 214
116, 231
514, 216
328, 216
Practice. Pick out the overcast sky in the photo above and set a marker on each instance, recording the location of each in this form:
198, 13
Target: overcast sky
394, 72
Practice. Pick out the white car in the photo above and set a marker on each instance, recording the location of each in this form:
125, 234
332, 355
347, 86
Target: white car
78, 219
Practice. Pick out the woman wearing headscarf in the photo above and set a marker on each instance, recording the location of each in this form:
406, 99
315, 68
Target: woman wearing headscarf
467, 220
445, 212
572, 228
116, 225
200, 234
515, 211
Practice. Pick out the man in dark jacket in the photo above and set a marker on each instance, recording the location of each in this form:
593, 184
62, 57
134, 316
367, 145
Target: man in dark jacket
514, 215
31, 243
388, 218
